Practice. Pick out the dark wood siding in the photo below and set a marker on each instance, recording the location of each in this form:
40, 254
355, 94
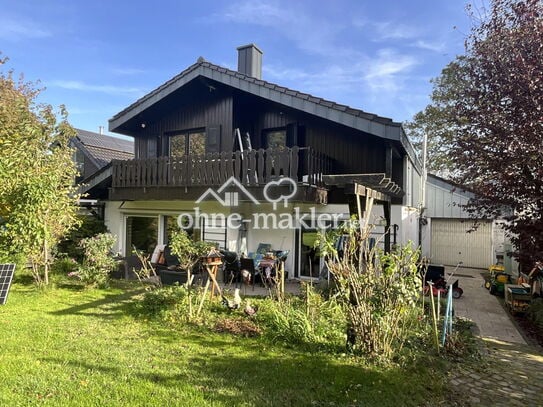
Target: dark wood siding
220, 109
214, 112
351, 151
88, 168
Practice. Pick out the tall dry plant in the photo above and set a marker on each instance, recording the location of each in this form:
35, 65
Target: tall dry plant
378, 291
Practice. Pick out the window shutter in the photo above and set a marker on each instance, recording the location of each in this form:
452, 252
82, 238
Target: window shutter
152, 147
292, 134
213, 138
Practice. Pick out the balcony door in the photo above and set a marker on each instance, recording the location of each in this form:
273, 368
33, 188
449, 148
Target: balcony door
188, 143
276, 139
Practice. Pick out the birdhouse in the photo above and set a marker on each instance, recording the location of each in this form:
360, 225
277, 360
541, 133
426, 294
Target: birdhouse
213, 257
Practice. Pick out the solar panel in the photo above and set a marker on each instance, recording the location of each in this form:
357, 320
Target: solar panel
6, 275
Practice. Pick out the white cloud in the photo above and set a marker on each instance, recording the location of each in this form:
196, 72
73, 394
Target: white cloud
390, 30
15, 28
351, 70
431, 46
127, 71
380, 75
389, 63
85, 87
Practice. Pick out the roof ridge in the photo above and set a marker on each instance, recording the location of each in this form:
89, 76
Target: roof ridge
297, 93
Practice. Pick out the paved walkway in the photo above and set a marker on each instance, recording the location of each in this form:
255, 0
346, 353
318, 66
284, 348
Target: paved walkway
510, 373
482, 308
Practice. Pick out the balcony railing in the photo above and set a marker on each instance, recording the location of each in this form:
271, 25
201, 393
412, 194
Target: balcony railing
251, 168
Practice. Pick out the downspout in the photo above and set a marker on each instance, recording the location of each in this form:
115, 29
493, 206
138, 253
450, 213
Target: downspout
422, 205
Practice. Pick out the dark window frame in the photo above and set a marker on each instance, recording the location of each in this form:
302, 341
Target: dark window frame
268, 131
187, 134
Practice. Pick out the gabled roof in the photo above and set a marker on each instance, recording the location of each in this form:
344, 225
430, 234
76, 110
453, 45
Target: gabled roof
101, 149
358, 119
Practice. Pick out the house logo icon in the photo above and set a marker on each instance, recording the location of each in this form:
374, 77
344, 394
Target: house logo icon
229, 198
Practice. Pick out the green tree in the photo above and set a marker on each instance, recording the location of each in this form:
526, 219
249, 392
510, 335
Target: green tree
38, 199
438, 120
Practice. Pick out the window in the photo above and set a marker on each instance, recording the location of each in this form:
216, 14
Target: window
276, 139
188, 143
141, 233
171, 226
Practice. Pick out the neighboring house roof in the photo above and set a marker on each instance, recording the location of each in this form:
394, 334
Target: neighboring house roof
342, 114
101, 149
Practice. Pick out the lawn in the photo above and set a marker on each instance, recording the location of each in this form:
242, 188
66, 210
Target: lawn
69, 346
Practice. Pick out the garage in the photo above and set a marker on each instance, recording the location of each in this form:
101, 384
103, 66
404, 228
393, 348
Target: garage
454, 240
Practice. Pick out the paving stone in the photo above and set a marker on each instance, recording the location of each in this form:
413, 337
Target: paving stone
510, 373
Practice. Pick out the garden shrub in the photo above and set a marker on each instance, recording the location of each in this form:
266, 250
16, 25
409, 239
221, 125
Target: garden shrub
98, 260
64, 266
535, 313
89, 226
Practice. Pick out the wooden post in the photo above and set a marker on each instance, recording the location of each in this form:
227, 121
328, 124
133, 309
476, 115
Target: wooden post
203, 298
212, 271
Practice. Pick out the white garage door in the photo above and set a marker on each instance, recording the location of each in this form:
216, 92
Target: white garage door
455, 240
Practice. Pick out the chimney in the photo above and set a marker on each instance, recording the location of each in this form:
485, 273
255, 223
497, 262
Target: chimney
250, 61
101, 130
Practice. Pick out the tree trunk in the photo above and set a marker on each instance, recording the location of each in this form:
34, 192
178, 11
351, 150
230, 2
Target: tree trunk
45, 262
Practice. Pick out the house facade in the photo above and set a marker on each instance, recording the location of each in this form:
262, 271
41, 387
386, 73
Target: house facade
220, 147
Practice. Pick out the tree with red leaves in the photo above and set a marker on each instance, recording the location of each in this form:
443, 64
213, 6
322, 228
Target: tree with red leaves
498, 145
487, 118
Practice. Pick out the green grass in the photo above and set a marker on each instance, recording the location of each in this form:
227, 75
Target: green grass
68, 346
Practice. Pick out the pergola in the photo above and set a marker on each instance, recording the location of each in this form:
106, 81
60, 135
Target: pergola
362, 190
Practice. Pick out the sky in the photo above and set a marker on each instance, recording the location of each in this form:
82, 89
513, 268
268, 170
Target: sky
97, 57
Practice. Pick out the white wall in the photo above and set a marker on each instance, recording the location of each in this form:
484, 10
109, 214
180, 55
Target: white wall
407, 220
443, 201
113, 220
279, 240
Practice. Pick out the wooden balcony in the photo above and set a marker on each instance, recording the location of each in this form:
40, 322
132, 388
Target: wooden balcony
252, 168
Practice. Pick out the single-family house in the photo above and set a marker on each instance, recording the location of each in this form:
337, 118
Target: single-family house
241, 161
